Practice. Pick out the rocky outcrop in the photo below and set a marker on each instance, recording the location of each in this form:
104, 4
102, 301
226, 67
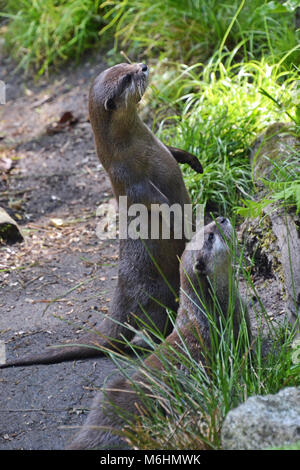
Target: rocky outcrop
273, 238
264, 422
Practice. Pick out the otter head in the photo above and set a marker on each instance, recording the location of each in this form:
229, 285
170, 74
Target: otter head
119, 86
213, 255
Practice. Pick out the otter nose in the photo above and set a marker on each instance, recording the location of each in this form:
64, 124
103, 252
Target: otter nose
144, 67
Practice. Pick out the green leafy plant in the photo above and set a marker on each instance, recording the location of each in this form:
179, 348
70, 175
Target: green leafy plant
40, 33
282, 187
218, 111
187, 31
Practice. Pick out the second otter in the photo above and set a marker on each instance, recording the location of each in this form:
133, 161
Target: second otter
205, 277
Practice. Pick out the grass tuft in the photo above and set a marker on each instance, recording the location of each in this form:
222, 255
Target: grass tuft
196, 29
41, 33
220, 111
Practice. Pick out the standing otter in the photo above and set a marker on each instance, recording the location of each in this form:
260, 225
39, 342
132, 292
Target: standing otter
205, 277
144, 170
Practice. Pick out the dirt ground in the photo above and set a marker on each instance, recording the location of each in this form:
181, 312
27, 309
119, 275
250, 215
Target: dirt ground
62, 276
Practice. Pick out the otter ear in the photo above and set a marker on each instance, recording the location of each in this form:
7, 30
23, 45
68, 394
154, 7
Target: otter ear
109, 104
199, 266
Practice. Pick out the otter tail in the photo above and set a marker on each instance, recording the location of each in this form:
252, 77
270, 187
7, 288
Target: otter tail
91, 345
59, 354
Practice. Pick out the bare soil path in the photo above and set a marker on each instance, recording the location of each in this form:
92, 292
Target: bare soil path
62, 276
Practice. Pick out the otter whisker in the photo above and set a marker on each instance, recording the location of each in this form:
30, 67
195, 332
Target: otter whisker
126, 57
140, 89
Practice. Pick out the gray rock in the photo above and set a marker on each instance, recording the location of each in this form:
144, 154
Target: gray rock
263, 422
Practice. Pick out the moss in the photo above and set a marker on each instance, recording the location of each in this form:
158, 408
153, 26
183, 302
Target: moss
261, 244
9, 233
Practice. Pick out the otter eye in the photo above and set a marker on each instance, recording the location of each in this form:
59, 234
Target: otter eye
109, 104
126, 79
199, 266
210, 237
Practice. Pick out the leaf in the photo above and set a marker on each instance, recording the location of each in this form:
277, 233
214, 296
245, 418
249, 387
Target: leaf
297, 196
277, 7
297, 116
253, 208
5, 164
66, 120
57, 222
291, 5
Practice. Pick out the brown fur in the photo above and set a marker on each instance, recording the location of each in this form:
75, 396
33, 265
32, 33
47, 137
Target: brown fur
143, 169
209, 262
